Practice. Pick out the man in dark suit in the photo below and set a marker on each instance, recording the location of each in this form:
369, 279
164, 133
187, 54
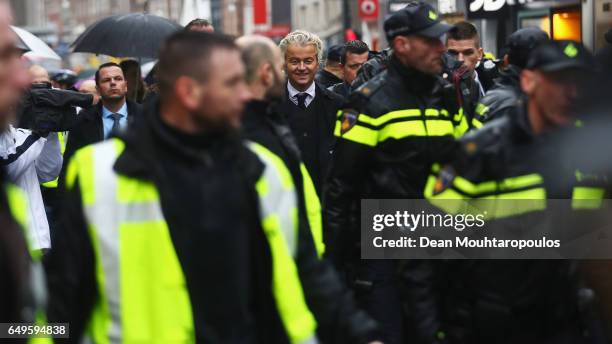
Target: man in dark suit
112, 113
310, 108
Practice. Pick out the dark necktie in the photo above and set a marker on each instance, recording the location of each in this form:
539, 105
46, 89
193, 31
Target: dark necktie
301, 98
116, 117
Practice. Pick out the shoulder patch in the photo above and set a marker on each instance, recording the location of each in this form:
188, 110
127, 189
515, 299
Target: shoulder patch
444, 180
349, 118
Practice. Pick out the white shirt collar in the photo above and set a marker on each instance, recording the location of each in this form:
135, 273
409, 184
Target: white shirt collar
292, 91
480, 88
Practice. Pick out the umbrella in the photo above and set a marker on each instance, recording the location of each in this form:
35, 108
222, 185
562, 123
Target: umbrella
146, 68
126, 35
37, 48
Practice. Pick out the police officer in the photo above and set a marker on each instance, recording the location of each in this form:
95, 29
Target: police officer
501, 98
391, 130
515, 157
338, 319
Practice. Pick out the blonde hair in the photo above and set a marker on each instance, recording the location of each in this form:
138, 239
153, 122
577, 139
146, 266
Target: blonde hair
302, 38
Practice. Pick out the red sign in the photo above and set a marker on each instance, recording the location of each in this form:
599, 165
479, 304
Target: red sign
368, 10
275, 31
260, 12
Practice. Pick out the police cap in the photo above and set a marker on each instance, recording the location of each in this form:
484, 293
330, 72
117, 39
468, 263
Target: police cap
417, 18
522, 42
555, 56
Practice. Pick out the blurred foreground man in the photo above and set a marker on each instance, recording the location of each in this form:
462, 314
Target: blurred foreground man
516, 158
393, 128
162, 240
338, 320
20, 271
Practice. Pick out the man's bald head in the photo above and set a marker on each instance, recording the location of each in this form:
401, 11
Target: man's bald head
89, 87
38, 74
257, 50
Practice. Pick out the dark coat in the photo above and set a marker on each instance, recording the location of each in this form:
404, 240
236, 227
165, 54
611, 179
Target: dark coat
313, 129
326, 79
342, 89
501, 99
89, 128
205, 185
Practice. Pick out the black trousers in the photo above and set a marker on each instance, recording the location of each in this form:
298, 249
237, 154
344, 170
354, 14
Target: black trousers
378, 294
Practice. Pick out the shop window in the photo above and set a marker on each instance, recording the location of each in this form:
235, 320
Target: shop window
542, 22
567, 25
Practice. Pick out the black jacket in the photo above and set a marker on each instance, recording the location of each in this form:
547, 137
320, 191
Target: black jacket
502, 97
15, 290
488, 73
396, 161
89, 128
375, 65
338, 318
46, 109
326, 79
342, 89
207, 195
313, 129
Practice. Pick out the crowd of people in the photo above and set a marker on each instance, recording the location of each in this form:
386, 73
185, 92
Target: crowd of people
217, 200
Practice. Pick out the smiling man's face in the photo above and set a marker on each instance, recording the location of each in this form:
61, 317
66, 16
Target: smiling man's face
301, 64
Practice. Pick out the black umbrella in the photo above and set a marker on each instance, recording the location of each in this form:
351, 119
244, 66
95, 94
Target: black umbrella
126, 35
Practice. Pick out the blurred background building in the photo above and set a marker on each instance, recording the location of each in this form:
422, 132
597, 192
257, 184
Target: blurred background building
59, 22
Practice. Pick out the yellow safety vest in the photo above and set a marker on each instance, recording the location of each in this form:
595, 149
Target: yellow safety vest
143, 296
279, 215
18, 206
313, 210
62, 142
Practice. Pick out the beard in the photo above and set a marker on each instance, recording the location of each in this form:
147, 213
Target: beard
215, 125
276, 92
219, 127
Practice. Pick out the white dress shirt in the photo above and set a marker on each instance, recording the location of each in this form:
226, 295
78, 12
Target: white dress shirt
311, 91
